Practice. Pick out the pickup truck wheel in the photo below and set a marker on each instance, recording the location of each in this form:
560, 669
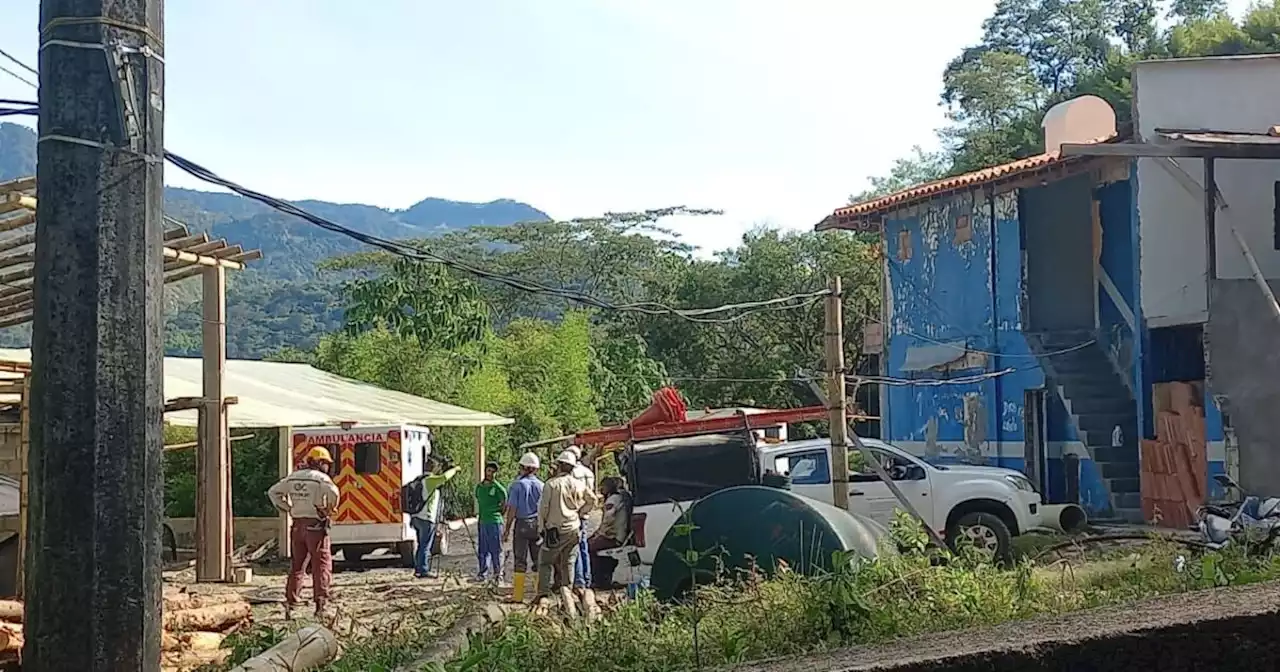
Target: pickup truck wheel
984, 532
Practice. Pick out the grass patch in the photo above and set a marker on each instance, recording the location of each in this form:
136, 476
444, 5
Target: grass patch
864, 603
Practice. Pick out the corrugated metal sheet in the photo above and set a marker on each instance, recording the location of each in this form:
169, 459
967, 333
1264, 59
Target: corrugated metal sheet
276, 394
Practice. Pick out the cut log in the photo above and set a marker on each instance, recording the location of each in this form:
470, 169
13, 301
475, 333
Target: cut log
202, 641
214, 618
10, 637
590, 608
306, 649
182, 601
11, 611
169, 641
190, 661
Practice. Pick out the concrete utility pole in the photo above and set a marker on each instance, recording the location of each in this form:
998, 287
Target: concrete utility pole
93, 561
836, 398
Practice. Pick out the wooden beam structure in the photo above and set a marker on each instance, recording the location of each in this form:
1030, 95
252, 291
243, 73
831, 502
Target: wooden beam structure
283, 545
1192, 144
186, 255
213, 458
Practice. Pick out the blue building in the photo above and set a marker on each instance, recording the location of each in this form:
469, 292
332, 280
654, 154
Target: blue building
1011, 300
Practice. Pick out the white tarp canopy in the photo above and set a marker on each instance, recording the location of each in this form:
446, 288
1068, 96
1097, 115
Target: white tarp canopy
276, 394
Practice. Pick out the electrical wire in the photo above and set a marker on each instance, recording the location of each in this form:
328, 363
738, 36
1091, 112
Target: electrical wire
860, 380
414, 252
18, 77
19, 63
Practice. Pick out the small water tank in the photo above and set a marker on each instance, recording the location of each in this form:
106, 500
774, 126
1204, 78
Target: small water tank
757, 527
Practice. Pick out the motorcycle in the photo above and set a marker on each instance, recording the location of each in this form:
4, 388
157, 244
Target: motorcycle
1252, 521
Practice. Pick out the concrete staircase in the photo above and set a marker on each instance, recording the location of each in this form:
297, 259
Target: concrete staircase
1097, 399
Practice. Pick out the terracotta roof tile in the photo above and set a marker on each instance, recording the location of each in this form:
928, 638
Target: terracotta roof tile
948, 185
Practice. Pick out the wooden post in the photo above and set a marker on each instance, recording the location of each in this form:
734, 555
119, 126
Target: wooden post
284, 547
24, 448
93, 589
836, 398
213, 463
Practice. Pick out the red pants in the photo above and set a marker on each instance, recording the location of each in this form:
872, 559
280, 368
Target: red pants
306, 543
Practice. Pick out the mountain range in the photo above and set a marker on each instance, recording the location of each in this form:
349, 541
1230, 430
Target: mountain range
280, 300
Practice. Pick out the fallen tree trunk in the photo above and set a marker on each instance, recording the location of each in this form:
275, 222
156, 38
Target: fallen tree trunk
209, 619
451, 642
306, 649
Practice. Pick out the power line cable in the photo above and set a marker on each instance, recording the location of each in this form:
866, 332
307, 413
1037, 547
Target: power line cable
19, 63
410, 251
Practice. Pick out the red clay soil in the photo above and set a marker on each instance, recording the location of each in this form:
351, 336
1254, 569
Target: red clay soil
1227, 629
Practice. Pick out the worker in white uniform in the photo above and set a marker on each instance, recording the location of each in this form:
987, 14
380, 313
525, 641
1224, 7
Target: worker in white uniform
310, 497
582, 563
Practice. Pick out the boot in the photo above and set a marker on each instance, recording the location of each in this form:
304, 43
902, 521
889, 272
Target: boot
517, 587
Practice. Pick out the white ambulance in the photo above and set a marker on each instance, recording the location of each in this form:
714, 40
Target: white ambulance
371, 463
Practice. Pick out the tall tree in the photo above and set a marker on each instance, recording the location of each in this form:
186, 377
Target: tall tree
917, 168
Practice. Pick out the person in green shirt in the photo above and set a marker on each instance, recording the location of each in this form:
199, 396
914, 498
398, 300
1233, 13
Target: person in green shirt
425, 521
491, 496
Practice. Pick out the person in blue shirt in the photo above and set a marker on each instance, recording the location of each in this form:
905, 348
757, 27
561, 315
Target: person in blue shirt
523, 496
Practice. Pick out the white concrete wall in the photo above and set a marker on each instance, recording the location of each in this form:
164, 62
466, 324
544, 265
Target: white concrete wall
1222, 94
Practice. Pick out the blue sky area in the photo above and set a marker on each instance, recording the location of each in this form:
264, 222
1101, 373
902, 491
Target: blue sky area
772, 111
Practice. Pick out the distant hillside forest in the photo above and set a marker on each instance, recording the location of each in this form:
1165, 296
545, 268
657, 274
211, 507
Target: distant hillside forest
284, 300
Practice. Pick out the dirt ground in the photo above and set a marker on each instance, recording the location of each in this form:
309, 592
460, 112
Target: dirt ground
1227, 629
374, 594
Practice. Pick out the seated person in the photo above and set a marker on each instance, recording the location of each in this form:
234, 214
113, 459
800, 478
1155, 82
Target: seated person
615, 527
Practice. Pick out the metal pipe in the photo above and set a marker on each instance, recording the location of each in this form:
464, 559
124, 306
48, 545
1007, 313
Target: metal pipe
1064, 518
1257, 273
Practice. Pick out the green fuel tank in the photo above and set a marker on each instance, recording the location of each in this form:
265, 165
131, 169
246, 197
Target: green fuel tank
755, 526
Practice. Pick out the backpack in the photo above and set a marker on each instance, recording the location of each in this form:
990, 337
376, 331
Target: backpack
411, 500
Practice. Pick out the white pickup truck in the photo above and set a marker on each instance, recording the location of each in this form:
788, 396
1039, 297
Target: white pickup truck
986, 505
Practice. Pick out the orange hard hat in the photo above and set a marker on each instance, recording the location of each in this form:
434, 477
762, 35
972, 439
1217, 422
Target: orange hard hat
320, 454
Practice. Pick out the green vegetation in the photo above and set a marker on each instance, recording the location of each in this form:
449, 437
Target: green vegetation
1036, 53
865, 602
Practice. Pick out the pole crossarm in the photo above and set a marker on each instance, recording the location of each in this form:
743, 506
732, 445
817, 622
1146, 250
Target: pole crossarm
185, 254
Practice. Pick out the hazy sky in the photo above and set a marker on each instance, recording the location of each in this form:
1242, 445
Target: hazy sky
773, 111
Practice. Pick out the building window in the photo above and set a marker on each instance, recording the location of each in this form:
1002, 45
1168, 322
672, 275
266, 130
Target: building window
904, 245
804, 468
368, 457
964, 229
1275, 215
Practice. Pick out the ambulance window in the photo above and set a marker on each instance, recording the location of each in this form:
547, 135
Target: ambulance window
368, 458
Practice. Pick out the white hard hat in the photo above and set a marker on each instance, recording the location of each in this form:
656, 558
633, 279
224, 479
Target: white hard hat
567, 457
577, 452
530, 460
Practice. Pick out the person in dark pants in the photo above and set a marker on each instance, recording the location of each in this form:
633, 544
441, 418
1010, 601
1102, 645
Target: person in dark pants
309, 496
615, 527
424, 522
491, 496
523, 496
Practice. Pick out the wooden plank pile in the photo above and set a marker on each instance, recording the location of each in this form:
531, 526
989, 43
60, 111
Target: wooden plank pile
195, 625
1175, 464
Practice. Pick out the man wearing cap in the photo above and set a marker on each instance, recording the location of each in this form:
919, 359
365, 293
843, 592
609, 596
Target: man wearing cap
491, 496
523, 497
309, 496
565, 500
582, 561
